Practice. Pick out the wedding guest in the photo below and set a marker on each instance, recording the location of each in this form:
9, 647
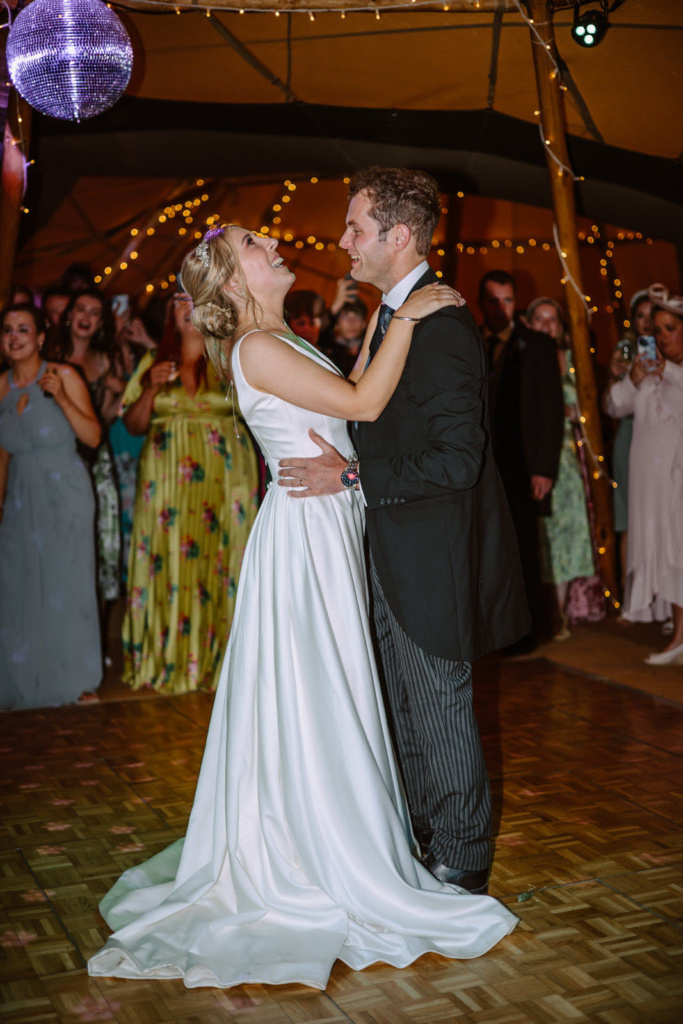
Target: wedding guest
620, 364
565, 536
195, 503
132, 341
77, 277
49, 630
527, 423
21, 295
349, 333
86, 339
53, 303
652, 392
304, 311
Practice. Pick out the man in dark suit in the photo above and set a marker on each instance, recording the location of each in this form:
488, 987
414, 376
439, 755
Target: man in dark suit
444, 567
527, 423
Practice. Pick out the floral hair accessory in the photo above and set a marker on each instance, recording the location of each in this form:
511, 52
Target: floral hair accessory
202, 253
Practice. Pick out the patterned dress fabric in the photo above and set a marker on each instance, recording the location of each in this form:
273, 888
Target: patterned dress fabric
196, 500
126, 450
654, 560
49, 626
298, 850
565, 537
108, 519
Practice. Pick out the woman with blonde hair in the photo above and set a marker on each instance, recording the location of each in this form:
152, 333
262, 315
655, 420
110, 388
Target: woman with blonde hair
299, 848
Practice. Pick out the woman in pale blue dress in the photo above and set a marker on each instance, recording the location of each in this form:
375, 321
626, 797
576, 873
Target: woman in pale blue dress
49, 627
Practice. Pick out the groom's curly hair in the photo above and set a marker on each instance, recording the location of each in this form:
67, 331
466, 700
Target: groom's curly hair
401, 196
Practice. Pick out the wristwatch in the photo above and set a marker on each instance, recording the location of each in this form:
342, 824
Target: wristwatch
350, 476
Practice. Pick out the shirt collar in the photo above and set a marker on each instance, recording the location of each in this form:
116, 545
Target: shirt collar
399, 293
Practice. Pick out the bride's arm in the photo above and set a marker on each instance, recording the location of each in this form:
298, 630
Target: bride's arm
361, 361
272, 366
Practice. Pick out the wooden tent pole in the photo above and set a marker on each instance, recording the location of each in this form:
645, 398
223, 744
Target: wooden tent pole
552, 114
16, 144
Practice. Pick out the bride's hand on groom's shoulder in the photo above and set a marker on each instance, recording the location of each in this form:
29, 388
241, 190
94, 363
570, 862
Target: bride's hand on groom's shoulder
430, 299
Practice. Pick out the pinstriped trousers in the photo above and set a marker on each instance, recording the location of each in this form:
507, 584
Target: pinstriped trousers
437, 742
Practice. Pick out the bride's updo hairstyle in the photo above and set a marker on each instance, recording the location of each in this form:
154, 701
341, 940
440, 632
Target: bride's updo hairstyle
205, 272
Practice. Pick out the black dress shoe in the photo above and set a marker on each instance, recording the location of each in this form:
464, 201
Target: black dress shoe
475, 882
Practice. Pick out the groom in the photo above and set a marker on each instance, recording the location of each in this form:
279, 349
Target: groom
444, 564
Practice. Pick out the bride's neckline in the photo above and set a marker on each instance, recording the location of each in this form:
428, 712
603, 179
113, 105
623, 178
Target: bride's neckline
285, 329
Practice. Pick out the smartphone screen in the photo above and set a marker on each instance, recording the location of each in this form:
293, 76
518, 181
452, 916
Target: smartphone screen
647, 346
120, 304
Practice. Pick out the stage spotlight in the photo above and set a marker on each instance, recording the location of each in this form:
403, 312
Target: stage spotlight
590, 28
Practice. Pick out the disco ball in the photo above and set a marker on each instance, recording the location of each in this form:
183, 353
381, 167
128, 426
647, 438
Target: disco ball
70, 59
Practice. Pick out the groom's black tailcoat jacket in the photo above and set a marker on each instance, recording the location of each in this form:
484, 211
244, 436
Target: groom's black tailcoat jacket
438, 522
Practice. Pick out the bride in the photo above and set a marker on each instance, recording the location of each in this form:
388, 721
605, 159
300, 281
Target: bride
299, 849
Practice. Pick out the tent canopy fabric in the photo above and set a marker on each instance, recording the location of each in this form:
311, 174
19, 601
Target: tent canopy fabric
413, 88
632, 83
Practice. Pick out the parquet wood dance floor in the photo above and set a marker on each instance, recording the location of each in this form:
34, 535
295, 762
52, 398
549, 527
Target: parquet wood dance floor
587, 781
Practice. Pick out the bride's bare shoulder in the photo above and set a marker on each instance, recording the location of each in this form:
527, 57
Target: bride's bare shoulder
255, 345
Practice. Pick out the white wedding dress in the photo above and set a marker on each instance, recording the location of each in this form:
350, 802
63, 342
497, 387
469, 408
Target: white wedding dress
298, 849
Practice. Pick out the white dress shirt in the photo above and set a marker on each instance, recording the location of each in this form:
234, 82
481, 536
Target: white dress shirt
396, 297
400, 292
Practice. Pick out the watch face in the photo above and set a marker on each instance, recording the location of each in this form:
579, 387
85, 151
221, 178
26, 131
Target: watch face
350, 477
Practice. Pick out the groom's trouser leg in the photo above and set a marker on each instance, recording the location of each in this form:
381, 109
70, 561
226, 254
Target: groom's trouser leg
438, 743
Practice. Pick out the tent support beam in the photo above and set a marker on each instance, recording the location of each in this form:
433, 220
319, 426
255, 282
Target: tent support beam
495, 47
253, 61
551, 105
16, 144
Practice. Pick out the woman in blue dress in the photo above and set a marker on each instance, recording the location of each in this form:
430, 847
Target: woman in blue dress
49, 629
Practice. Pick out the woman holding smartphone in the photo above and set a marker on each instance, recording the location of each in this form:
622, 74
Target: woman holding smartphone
652, 392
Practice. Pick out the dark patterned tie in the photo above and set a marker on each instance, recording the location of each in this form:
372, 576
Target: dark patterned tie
383, 320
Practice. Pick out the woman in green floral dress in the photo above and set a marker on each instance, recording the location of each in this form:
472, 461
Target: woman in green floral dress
197, 496
565, 536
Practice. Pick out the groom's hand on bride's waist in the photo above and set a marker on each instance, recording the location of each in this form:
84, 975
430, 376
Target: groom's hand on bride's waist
313, 477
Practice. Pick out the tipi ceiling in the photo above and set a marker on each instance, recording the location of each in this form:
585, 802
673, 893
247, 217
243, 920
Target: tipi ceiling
411, 87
